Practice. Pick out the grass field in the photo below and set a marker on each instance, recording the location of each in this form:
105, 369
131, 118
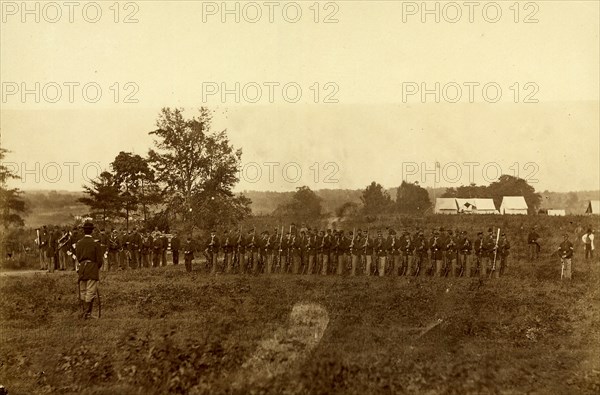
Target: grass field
167, 331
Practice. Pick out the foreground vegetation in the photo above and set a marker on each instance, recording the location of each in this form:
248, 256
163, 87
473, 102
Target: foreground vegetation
168, 331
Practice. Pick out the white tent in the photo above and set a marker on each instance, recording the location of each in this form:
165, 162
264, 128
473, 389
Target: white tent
556, 212
485, 206
593, 207
513, 205
445, 206
476, 206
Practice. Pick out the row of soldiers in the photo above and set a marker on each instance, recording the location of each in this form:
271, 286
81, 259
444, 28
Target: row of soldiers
443, 253
122, 249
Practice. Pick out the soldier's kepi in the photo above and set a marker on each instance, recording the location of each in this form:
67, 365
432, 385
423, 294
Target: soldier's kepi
90, 257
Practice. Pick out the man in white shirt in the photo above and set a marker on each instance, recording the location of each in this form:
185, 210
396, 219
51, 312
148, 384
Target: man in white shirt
588, 240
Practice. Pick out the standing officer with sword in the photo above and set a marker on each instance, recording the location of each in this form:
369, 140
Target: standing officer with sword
566, 254
90, 257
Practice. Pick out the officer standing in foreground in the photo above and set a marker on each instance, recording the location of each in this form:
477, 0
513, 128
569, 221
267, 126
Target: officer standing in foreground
566, 254
90, 258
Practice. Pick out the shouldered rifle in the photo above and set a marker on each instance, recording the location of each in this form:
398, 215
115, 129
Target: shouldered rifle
495, 252
280, 249
63, 240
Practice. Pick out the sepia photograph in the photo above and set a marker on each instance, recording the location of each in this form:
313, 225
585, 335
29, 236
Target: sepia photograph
299, 197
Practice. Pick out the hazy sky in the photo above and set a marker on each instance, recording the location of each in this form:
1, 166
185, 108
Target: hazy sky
369, 68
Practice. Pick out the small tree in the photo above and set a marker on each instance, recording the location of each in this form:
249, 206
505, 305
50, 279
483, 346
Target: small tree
136, 183
11, 201
412, 199
375, 199
305, 205
103, 197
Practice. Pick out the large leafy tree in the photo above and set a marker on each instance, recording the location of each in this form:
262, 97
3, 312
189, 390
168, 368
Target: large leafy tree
11, 202
412, 199
375, 199
103, 197
197, 168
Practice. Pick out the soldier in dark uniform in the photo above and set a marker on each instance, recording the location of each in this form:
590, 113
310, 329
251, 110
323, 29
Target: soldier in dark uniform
251, 251
326, 251
293, 254
188, 253
165, 248
266, 252
451, 255
278, 244
64, 247
145, 249
89, 255
406, 247
303, 245
464, 251
211, 251
175, 246
270, 246
339, 253
285, 253
259, 245
122, 250
135, 242
113, 250
240, 252
502, 254
309, 251
157, 249
421, 249
394, 255
227, 249
437, 254
479, 251
355, 251
43, 247
533, 244
368, 251
566, 255
386, 250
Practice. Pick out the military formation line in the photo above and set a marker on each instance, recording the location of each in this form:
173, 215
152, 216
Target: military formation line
442, 253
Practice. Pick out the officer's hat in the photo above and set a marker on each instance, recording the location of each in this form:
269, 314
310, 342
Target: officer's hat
88, 225
479, 233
